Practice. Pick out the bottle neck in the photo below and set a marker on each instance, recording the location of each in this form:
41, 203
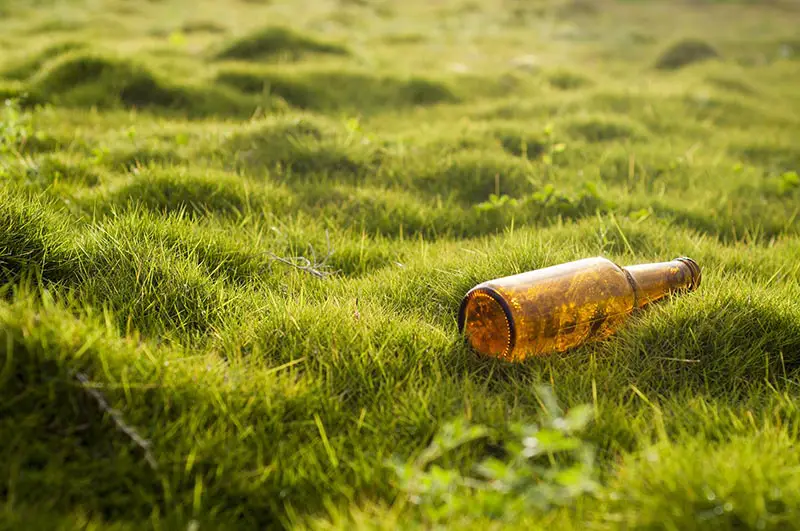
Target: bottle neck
651, 282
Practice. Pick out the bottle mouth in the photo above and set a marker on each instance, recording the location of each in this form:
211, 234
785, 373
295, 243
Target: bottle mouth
485, 319
694, 271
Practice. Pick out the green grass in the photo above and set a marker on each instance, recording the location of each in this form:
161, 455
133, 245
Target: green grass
171, 171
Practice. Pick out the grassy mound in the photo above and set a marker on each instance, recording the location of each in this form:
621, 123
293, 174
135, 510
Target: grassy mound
13, 91
473, 176
164, 192
568, 80
702, 488
89, 79
29, 67
604, 129
520, 141
31, 238
732, 84
773, 155
202, 26
299, 147
57, 168
684, 53
41, 370
277, 43
331, 90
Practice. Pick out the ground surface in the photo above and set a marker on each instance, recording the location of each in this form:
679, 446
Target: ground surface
165, 163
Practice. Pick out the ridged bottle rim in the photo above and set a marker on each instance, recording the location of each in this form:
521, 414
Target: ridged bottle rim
695, 271
501, 302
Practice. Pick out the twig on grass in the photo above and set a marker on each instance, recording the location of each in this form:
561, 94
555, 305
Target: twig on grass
313, 267
301, 263
116, 416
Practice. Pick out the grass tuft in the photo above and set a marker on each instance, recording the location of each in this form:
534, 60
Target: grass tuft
91, 80
30, 66
339, 90
684, 53
277, 43
568, 80
604, 129
697, 487
299, 147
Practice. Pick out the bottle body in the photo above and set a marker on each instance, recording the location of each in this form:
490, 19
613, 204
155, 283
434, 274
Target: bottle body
559, 307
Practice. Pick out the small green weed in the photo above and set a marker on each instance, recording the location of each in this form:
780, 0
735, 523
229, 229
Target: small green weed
788, 183
541, 467
15, 127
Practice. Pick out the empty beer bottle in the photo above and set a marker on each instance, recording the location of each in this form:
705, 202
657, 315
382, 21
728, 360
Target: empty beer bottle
556, 308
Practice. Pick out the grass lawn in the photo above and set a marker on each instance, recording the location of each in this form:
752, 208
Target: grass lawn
234, 237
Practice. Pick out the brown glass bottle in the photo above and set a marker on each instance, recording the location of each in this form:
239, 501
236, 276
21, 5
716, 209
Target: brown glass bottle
556, 308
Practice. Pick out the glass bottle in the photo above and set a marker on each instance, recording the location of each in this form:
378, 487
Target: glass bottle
559, 307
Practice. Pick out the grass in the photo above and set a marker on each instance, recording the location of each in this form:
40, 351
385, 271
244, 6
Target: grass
234, 240
272, 42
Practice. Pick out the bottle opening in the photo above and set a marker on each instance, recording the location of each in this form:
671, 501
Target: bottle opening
485, 320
